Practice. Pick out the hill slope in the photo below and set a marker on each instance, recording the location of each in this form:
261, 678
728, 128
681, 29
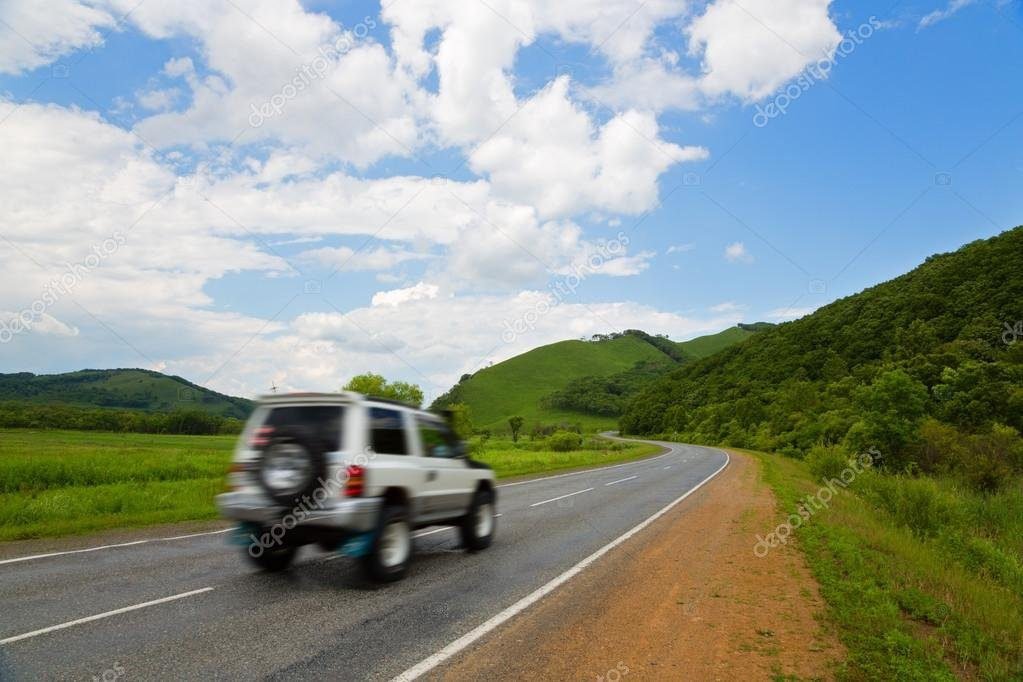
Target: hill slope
705, 346
136, 389
522, 385
867, 369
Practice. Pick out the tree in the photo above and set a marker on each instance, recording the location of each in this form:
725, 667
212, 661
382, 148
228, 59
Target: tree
377, 386
461, 420
516, 425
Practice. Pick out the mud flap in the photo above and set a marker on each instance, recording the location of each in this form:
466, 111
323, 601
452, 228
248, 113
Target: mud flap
244, 534
358, 545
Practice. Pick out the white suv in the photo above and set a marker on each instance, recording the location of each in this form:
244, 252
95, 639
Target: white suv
354, 474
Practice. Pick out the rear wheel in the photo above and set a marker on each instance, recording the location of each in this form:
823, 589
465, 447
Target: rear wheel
271, 559
391, 553
479, 524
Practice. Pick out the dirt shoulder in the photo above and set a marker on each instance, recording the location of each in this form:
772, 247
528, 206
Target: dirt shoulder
685, 599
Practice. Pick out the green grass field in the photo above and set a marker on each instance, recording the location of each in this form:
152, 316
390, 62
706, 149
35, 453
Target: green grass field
923, 579
56, 483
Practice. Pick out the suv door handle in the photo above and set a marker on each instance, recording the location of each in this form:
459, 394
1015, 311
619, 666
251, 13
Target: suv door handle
431, 475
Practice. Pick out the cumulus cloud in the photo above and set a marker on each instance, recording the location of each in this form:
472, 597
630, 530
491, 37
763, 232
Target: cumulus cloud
736, 253
277, 130
751, 48
30, 38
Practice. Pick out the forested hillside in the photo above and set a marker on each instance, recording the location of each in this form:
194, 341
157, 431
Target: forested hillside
927, 368
134, 389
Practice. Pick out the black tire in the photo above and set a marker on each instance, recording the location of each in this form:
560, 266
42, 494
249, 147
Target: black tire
302, 446
478, 532
272, 559
385, 562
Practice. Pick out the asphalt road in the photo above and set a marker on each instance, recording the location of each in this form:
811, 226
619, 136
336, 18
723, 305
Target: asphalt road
214, 616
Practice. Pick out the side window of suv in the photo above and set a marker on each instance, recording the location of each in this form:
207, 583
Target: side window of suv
387, 432
438, 440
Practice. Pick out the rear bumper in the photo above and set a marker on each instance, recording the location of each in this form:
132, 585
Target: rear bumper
356, 514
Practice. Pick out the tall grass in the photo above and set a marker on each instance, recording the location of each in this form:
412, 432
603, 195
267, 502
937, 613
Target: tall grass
923, 576
61, 482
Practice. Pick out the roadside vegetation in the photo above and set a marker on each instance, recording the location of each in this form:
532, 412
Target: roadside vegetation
66, 482
923, 576
56, 483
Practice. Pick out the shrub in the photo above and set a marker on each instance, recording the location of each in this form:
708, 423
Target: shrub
564, 441
828, 461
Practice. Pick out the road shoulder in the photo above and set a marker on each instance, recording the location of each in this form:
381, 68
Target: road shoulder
687, 598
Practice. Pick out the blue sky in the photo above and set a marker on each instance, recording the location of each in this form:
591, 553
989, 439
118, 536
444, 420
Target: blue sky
459, 161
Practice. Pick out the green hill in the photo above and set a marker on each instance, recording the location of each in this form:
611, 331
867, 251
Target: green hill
134, 389
704, 346
890, 367
522, 384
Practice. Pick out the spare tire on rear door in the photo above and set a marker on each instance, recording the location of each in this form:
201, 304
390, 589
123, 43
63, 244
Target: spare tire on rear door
291, 464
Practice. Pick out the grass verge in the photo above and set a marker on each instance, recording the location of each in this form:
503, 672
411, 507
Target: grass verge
911, 603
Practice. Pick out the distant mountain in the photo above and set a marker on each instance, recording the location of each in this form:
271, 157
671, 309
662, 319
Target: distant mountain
135, 389
602, 370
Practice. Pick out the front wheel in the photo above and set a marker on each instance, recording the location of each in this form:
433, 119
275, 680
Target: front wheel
479, 524
391, 553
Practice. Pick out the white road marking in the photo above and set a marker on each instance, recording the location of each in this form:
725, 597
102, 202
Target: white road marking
588, 471
622, 480
89, 619
561, 497
122, 544
521, 605
668, 467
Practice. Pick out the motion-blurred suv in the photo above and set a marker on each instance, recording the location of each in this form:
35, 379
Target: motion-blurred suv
354, 474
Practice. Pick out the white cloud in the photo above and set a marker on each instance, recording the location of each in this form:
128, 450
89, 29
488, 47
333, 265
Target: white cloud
729, 307
396, 297
32, 36
158, 100
750, 49
938, 15
736, 253
790, 313
551, 156
680, 248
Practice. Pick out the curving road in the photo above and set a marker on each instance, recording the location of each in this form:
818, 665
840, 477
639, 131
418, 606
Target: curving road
191, 607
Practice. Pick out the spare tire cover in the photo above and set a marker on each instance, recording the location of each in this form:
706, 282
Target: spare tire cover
291, 465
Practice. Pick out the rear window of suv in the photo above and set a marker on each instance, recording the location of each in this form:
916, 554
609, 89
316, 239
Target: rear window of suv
322, 422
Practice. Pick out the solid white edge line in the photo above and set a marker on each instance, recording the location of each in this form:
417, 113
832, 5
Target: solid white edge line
89, 619
521, 605
622, 480
561, 497
121, 544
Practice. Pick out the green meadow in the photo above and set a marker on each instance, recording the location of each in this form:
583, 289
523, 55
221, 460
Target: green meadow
56, 483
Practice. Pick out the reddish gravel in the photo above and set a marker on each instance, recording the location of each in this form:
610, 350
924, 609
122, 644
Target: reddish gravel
685, 599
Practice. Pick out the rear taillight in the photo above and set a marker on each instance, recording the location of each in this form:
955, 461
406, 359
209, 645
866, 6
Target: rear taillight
355, 481
261, 437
